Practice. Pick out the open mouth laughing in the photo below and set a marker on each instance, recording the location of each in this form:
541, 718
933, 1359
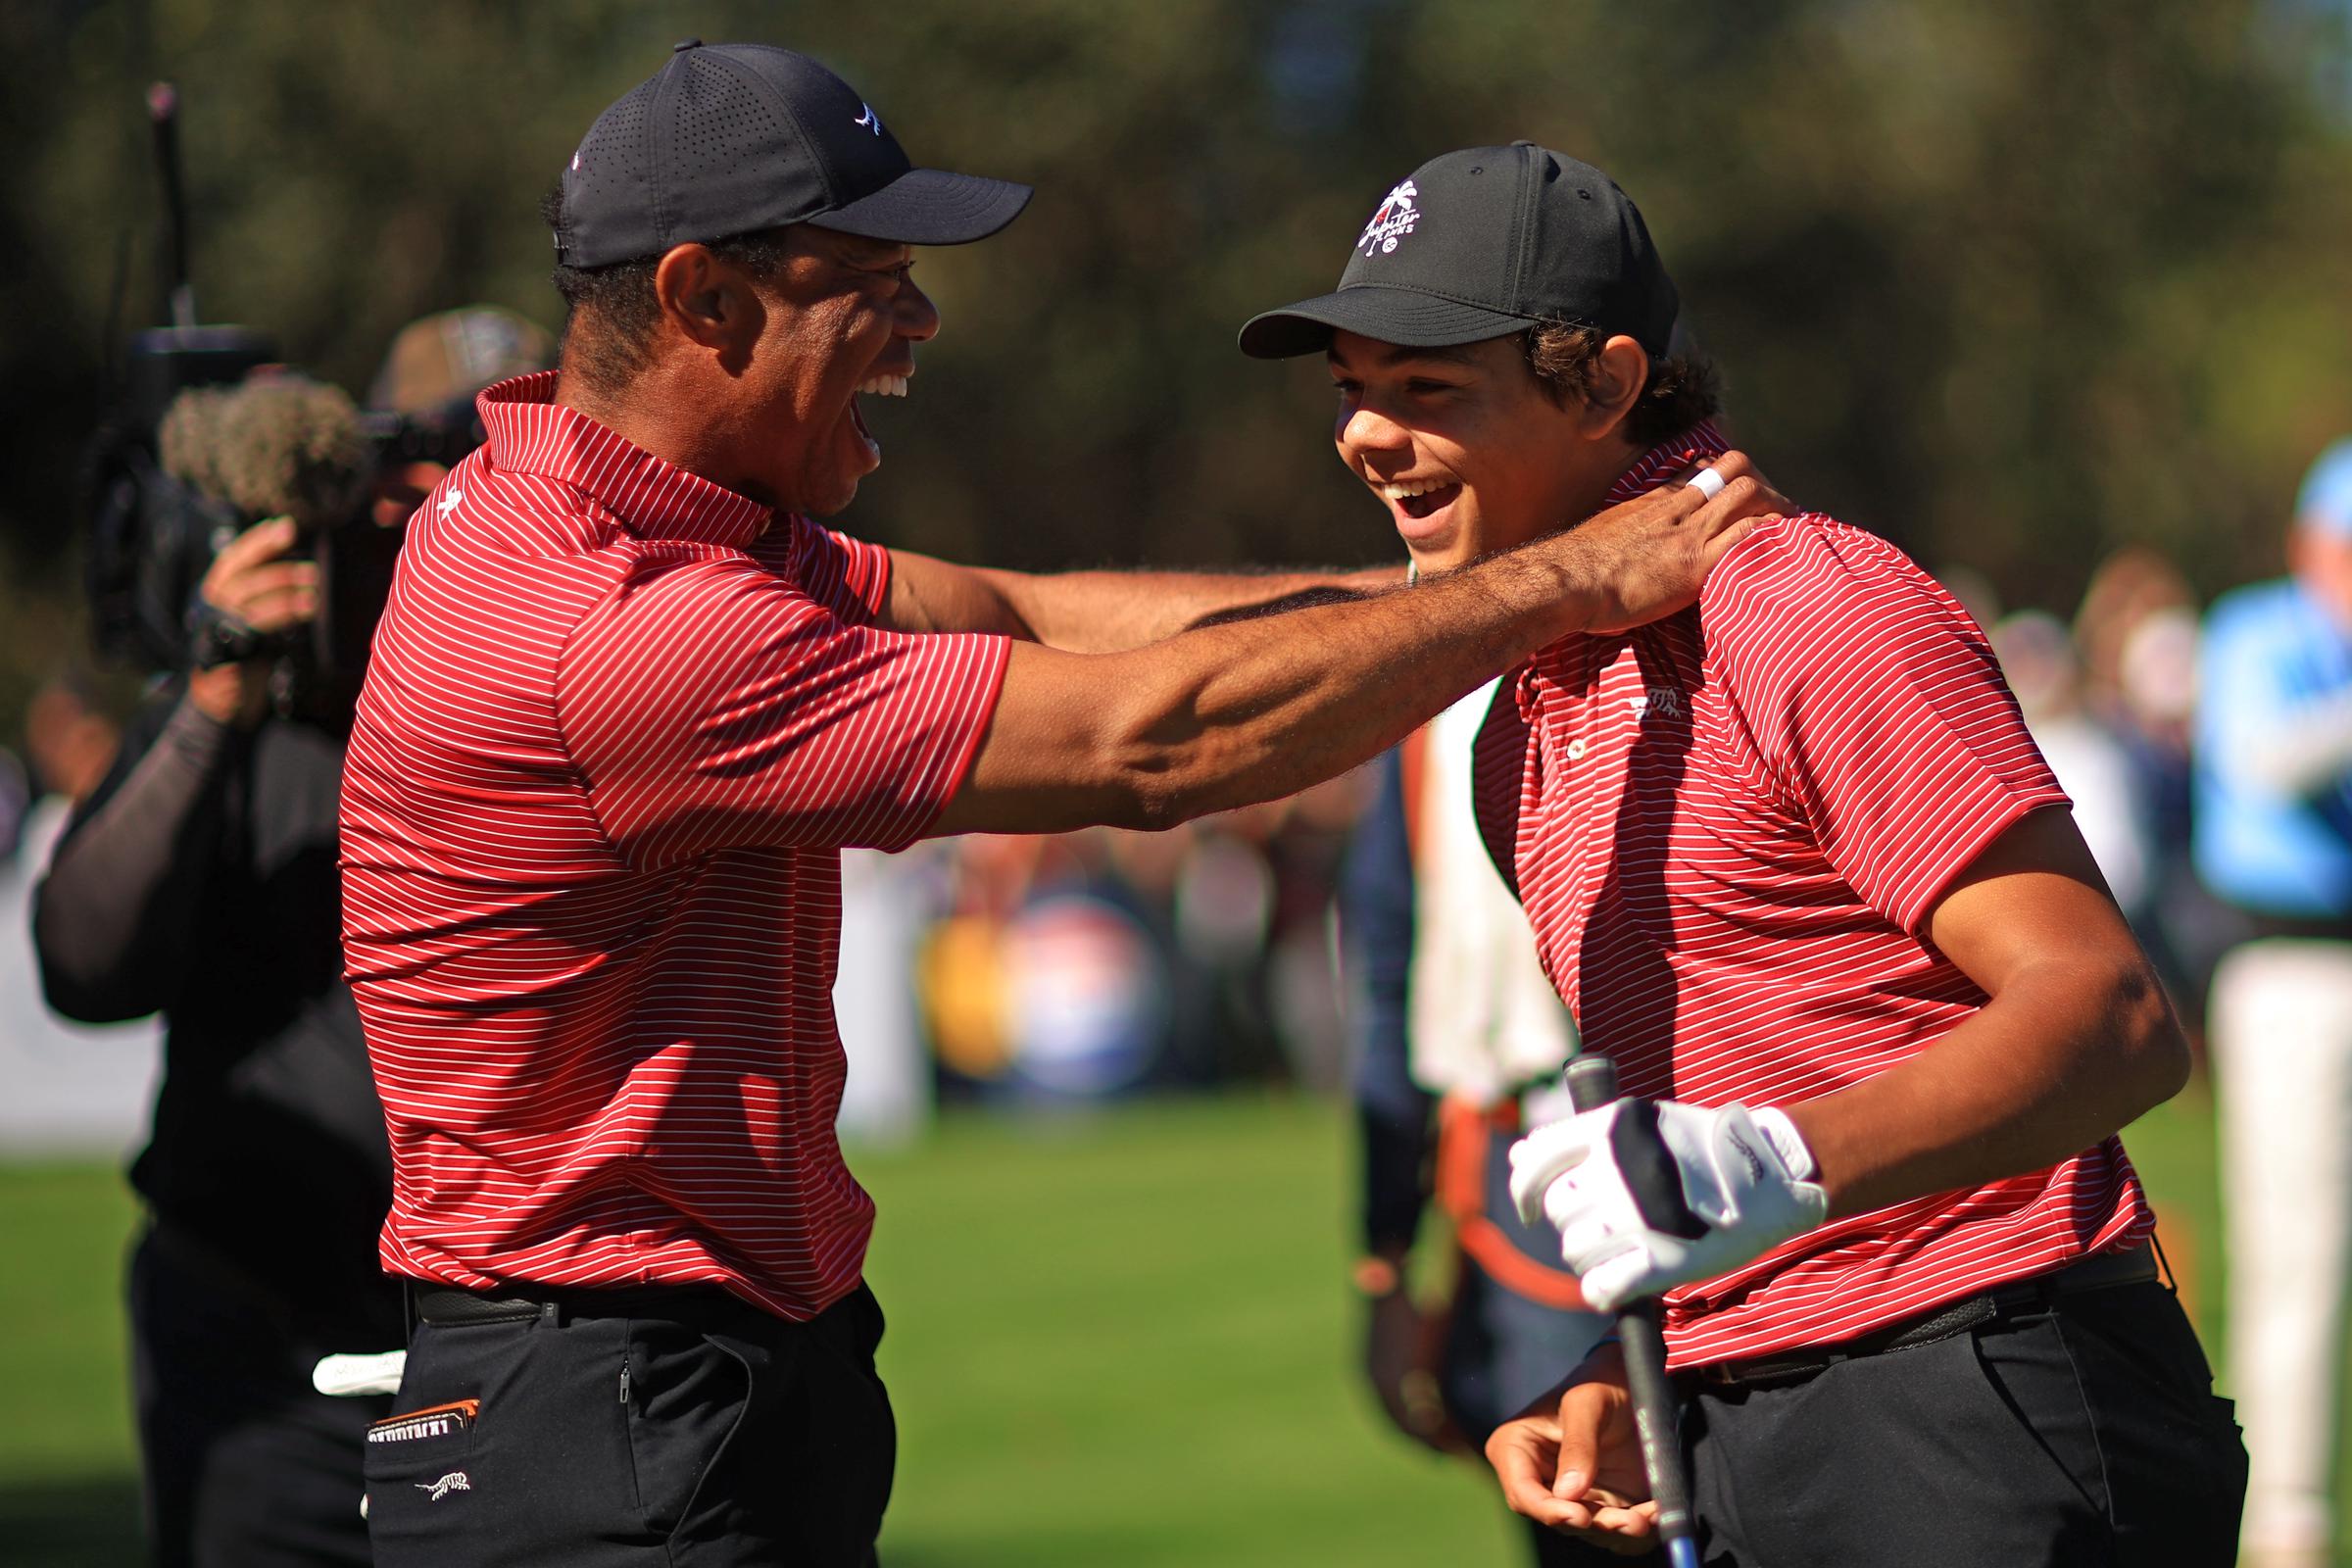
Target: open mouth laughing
880, 385
1418, 499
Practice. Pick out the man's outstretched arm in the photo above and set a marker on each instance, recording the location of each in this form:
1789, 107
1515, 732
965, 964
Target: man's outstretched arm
1096, 612
1246, 711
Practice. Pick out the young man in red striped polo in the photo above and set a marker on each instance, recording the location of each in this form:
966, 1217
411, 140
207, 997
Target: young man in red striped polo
627, 705
1793, 861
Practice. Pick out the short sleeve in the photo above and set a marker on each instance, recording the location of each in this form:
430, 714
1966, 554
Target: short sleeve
718, 706
1876, 707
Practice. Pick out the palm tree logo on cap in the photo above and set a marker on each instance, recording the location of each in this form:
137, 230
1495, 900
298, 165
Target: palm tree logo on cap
1391, 223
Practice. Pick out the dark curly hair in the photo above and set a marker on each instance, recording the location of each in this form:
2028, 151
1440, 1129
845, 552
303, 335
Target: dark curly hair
611, 312
1681, 389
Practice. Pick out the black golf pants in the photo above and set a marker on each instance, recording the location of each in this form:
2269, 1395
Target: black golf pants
2082, 1433
627, 1429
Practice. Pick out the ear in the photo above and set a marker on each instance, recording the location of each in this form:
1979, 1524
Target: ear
1614, 385
706, 300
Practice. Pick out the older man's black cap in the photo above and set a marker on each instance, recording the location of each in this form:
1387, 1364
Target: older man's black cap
727, 139
1483, 242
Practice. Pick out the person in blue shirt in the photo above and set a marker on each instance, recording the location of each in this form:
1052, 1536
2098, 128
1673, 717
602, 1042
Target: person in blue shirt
2273, 839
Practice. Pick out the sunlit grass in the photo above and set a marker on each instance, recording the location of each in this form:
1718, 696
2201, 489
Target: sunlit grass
1121, 1337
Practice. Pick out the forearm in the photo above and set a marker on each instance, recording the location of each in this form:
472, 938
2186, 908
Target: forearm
114, 916
1107, 611
2067, 1054
1252, 708
1251, 711
1262, 708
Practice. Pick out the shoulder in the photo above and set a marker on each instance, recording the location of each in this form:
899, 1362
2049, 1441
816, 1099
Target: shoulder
706, 594
1804, 586
478, 513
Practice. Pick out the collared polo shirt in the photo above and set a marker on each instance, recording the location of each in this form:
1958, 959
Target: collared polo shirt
1729, 829
2271, 655
618, 725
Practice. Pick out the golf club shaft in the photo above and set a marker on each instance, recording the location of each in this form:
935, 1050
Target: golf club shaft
1592, 1083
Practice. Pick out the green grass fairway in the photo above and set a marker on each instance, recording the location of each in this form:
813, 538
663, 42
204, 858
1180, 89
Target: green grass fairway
1114, 1338
68, 1494
1128, 1339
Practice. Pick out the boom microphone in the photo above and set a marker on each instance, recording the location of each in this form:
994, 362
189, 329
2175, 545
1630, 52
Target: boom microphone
274, 445
280, 444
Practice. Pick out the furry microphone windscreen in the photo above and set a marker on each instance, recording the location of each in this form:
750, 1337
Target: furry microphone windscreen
274, 445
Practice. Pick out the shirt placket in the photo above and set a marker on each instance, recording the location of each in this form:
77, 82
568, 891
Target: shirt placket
1565, 725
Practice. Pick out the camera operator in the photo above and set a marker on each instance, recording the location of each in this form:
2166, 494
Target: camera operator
200, 880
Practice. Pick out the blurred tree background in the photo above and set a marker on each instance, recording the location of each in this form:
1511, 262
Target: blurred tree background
2011, 282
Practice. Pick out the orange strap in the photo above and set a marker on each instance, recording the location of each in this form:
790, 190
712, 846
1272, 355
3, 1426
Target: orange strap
1464, 1133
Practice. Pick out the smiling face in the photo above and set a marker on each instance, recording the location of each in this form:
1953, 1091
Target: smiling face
1465, 448
838, 320
756, 384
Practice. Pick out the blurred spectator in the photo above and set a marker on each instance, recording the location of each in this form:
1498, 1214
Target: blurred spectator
2135, 633
15, 798
69, 743
2137, 638
70, 1087
1302, 994
200, 880
2091, 763
887, 1095
1460, 1042
429, 375
2273, 837
436, 358
1974, 591
1078, 966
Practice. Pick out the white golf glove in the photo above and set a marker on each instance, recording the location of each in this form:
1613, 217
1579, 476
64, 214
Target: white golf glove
1647, 1195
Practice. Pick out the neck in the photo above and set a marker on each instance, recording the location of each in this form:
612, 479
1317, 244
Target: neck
1592, 489
1588, 490
677, 423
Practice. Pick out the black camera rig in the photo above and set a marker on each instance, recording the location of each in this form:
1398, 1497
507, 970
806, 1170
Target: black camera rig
151, 535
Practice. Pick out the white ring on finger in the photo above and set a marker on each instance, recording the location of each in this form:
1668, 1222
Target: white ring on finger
1708, 482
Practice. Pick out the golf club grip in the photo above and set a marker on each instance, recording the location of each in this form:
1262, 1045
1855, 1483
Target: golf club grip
1591, 1083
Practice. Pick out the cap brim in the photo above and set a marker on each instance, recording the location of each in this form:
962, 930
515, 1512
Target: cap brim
931, 207
1392, 314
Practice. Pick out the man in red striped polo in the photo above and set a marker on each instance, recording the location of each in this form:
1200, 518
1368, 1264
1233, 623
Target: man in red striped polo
1793, 861
627, 705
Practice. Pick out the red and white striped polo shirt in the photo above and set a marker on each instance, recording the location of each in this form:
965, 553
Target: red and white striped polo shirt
619, 725
1728, 830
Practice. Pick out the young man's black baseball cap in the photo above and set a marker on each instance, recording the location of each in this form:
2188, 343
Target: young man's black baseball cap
732, 138
1485, 242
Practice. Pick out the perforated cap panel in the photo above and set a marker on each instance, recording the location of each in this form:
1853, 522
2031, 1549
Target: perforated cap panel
607, 174
730, 138
717, 122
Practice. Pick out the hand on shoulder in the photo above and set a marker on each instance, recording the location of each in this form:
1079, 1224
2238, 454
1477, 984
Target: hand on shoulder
1645, 559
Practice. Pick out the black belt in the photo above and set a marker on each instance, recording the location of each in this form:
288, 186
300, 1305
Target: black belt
445, 1305
2101, 1271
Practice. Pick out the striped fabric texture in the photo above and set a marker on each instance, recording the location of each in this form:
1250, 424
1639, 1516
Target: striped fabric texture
618, 725
1727, 829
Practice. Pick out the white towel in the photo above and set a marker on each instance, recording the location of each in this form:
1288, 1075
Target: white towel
1485, 1018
